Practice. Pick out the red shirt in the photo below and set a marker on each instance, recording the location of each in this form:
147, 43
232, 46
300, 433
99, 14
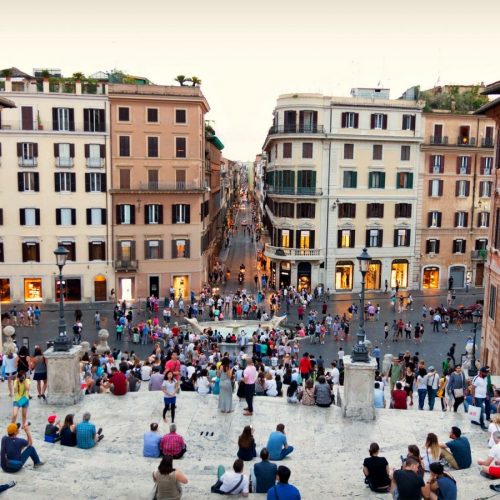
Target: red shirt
173, 366
119, 381
171, 444
399, 397
305, 365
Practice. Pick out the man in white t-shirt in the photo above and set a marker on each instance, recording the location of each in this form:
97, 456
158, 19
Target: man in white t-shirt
233, 483
478, 390
491, 466
335, 374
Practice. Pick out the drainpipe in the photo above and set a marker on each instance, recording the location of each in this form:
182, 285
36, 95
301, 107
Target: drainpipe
328, 201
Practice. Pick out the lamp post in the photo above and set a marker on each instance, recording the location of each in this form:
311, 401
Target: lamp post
62, 342
476, 319
359, 351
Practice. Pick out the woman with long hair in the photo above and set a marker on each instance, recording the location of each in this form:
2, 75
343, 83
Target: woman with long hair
169, 388
292, 393
414, 452
68, 431
246, 444
39, 368
225, 374
409, 383
21, 397
432, 451
168, 480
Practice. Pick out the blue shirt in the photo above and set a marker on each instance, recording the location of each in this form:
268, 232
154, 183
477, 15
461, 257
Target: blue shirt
460, 449
85, 435
447, 488
285, 492
11, 449
151, 444
265, 476
376, 352
378, 398
276, 442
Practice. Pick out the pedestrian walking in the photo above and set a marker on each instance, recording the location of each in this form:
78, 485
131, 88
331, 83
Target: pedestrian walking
386, 331
97, 320
386, 285
169, 387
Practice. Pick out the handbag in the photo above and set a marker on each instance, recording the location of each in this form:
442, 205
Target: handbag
241, 390
458, 393
474, 413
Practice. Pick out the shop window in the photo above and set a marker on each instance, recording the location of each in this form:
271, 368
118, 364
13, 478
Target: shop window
399, 273
430, 277
343, 275
4, 290
33, 289
373, 276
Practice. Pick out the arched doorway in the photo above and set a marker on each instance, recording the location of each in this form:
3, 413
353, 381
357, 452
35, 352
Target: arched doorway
430, 277
100, 289
458, 275
304, 276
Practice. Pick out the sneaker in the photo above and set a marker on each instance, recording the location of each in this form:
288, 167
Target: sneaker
99, 431
495, 487
100, 437
11, 484
39, 464
18, 425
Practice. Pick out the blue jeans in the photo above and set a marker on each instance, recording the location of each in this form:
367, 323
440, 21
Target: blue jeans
17, 465
421, 398
285, 452
431, 395
480, 403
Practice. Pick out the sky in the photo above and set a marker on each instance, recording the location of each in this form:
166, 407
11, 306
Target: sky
248, 53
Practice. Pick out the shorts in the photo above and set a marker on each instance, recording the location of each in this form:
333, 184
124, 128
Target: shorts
494, 471
40, 376
24, 404
10, 374
169, 401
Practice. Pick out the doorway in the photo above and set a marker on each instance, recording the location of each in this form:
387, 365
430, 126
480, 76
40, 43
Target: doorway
285, 274
458, 275
304, 276
100, 289
430, 277
154, 286
479, 275
126, 288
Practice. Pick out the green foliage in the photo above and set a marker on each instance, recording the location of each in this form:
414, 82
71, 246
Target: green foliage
453, 100
180, 79
7, 73
195, 81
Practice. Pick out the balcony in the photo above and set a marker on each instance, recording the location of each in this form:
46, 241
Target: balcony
283, 253
64, 162
294, 191
439, 140
487, 142
27, 162
126, 265
296, 129
94, 162
463, 140
168, 186
479, 254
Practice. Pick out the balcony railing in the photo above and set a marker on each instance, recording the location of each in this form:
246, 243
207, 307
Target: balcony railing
126, 265
168, 186
293, 253
28, 162
463, 140
487, 142
439, 140
296, 129
48, 126
94, 162
64, 162
294, 191
479, 254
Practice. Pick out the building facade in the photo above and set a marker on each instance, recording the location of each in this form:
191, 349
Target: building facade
341, 175
456, 182
490, 333
160, 197
53, 180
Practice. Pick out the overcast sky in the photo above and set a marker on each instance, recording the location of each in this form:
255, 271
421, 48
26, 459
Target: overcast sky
247, 53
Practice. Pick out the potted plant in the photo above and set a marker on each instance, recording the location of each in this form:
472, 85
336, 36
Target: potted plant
195, 81
180, 79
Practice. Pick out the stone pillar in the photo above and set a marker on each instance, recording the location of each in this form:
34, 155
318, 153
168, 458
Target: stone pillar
358, 389
63, 372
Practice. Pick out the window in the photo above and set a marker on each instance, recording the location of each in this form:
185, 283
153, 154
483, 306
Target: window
435, 187
492, 303
63, 119
306, 239
462, 188
308, 121
71, 248
436, 165
486, 165
458, 246
346, 238
287, 150
405, 153
31, 251
180, 147
434, 219
285, 210
180, 178
375, 210
180, 249
463, 165
350, 120
404, 180
28, 181
307, 150
153, 214
125, 250
1, 260
95, 154
374, 237
65, 216
481, 244
408, 122
347, 210
376, 180
1, 216
123, 114
153, 249
402, 237
378, 121
125, 214
64, 182
29, 216
306, 210
153, 147
95, 182
96, 216
402, 210
461, 219
97, 250
27, 153
483, 219
485, 189
432, 246
64, 154
181, 214
377, 151
180, 116
306, 182
27, 121
124, 145
94, 120
348, 151
124, 178
285, 240
153, 178
152, 115
350, 179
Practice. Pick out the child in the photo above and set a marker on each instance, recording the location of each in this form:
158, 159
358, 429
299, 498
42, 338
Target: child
52, 429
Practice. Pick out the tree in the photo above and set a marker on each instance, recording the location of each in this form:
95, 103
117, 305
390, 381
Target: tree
195, 81
78, 76
7, 73
180, 79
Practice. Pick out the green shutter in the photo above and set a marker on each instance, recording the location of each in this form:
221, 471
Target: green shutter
382, 180
354, 182
410, 180
370, 179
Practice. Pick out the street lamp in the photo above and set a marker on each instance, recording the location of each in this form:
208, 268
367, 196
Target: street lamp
359, 351
62, 342
476, 319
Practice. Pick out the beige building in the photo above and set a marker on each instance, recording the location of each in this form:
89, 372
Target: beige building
456, 187
160, 189
53, 188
